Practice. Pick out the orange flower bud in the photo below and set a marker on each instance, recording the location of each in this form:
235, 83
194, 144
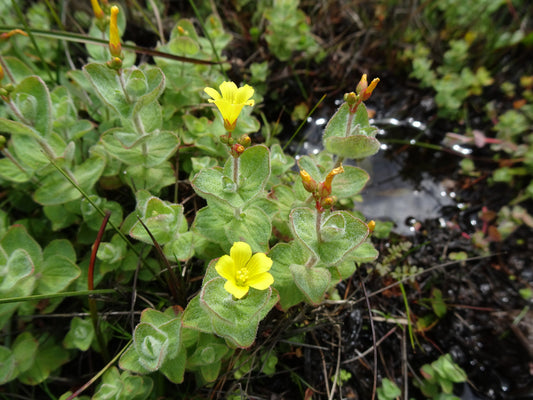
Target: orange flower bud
7, 35
368, 91
237, 150
329, 178
309, 183
371, 225
362, 85
97, 10
115, 47
1, 73
245, 140
329, 202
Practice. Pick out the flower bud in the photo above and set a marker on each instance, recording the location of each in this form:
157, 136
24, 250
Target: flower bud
309, 183
245, 140
115, 47
97, 10
329, 179
1, 73
115, 63
350, 98
371, 225
328, 202
237, 150
368, 91
362, 85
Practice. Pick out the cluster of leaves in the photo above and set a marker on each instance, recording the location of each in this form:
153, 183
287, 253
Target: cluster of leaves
99, 139
476, 33
437, 381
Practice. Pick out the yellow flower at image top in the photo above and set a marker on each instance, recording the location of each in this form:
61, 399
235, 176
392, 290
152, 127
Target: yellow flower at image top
230, 101
242, 270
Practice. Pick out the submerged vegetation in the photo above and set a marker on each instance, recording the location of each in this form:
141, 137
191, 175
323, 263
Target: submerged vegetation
169, 227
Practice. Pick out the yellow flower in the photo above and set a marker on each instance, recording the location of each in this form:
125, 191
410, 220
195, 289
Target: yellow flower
115, 48
230, 101
242, 270
98, 12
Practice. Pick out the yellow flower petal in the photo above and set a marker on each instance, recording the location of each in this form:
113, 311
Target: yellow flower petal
240, 253
258, 264
261, 281
238, 291
228, 89
243, 94
213, 93
225, 267
230, 101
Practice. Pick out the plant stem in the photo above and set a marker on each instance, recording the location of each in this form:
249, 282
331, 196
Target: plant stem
123, 85
236, 172
90, 285
318, 225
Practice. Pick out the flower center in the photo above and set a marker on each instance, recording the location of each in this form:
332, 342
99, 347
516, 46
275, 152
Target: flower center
241, 276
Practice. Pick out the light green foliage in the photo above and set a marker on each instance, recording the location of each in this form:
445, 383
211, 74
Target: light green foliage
439, 377
80, 335
123, 386
395, 263
124, 141
388, 390
288, 31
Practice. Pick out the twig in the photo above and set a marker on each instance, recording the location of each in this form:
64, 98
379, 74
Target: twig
367, 351
375, 384
337, 368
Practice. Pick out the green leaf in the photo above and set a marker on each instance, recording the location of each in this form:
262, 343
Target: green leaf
107, 85
11, 172
60, 247
388, 390
48, 358
56, 189
252, 226
152, 179
174, 368
219, 224
130, 360
18, 238
355, 146
17, 128
24, 350
341, 233
236, 320
283, 255
151, 344
437, 303
180, 249
80, 334
32, 98
8, 370
164, 220
123, 386
19, 265
254, 170
366, 252
313, 282
196, 317
350, 182
57, 273
150, 150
